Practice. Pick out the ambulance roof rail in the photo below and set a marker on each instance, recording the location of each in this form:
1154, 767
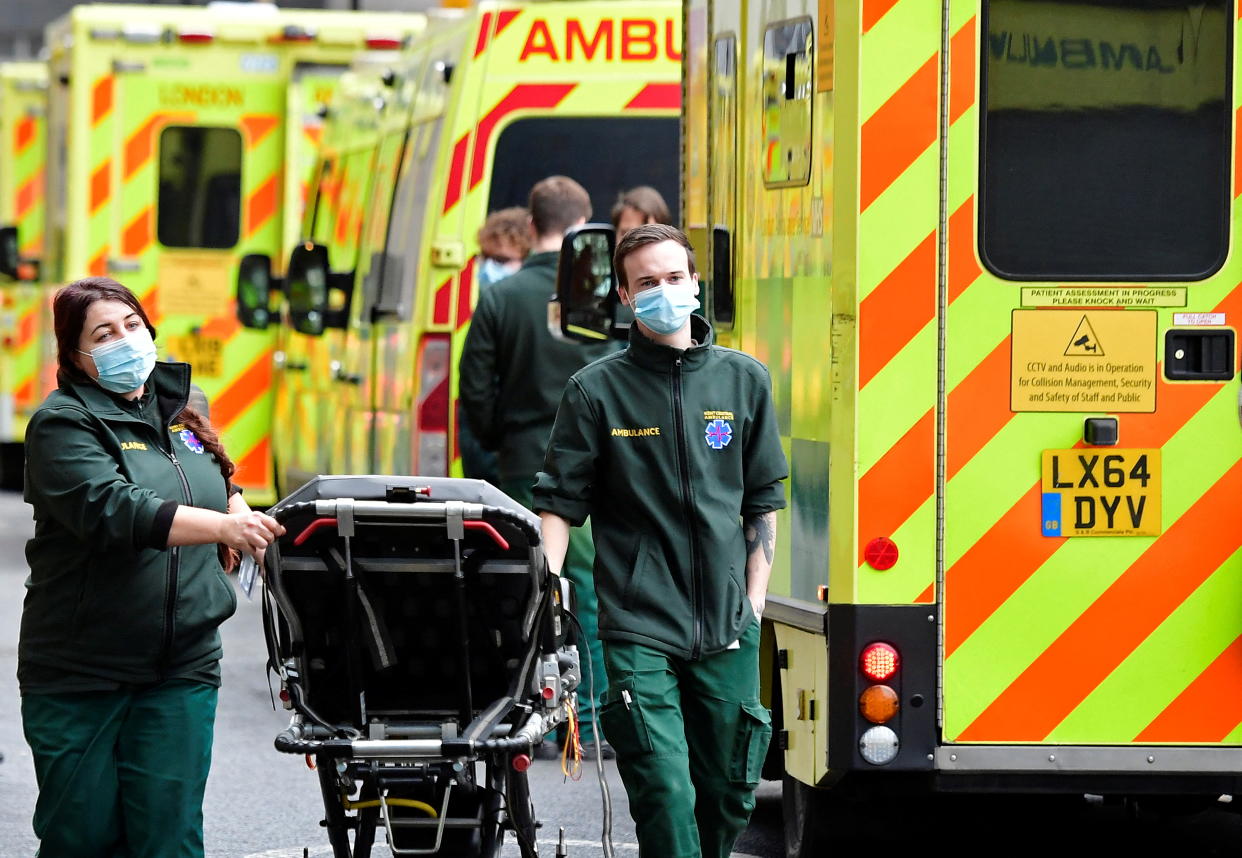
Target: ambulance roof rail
252, 10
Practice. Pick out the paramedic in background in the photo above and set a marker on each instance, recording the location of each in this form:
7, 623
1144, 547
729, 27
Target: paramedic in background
511, 377
136, 521
504, 242
672, 448
638, 206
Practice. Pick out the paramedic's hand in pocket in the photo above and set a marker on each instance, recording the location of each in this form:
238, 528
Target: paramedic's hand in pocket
250, 532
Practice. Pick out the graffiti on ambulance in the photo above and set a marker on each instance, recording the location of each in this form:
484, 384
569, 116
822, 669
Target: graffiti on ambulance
626, 39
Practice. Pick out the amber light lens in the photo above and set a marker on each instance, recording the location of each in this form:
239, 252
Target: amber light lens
878, 704
879, 661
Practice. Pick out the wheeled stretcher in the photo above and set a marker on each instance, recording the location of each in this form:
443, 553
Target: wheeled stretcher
420, 642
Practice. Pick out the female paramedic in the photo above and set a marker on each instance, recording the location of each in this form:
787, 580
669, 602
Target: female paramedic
672, 448
119, 653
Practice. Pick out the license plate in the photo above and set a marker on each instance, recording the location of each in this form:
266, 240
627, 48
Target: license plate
1095, 492
204, 354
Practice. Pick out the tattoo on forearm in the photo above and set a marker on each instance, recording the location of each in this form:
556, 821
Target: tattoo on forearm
760, 532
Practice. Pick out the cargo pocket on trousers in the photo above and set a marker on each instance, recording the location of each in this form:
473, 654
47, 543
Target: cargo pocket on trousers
754, 731
625, 728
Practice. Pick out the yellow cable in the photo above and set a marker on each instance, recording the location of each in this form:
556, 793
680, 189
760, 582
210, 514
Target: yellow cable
392, 802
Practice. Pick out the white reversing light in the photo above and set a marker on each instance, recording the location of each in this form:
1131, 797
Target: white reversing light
879, 745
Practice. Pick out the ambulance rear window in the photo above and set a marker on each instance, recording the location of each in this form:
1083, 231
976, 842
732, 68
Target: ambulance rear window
200, 187
605, 155
1105, 139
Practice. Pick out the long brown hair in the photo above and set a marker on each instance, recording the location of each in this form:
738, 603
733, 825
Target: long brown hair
69, 315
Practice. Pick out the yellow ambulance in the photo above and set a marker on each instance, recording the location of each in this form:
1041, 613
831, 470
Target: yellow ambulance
985, 249
23, 151
489, 101
183, 138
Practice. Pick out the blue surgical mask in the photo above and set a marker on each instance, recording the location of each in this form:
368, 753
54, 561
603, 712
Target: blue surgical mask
124, 365
492, 270
665, 308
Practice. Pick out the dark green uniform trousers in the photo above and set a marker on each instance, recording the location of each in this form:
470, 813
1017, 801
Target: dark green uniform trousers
579, 569
121, 774
690, 738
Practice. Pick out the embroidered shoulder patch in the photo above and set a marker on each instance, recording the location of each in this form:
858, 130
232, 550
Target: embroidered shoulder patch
191, 441
718, 434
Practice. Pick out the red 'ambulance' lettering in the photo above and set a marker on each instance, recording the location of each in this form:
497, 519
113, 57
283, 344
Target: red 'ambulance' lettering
639, 39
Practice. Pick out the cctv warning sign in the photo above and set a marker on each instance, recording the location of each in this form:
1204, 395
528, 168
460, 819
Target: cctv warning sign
1075, 360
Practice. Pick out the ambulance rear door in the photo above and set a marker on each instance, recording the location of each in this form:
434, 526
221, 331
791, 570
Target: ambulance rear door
1092, 575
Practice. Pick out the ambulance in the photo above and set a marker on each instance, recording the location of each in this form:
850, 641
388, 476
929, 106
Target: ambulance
23, 150
985, 248
183, 139
487, 102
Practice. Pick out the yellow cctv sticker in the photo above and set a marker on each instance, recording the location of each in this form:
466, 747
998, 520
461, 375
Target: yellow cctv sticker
1083, 360
195, 284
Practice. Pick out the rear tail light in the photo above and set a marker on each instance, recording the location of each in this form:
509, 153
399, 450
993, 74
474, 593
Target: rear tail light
383, 43
433, 406
196, 37
878, 704
879, 661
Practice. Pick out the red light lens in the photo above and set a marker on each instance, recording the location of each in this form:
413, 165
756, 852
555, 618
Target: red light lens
879, 661
383, 43
196, 38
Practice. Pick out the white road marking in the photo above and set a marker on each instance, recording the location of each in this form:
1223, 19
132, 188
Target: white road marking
315, 851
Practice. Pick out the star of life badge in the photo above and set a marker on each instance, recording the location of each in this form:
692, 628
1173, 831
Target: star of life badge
191, 441
718, 434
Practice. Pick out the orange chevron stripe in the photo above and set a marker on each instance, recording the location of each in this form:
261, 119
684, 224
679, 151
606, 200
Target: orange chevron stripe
895, 486
962, 70
978, 408
1013, 548
257, 126
1237, 148
244, 390
101, 185
24, 133
29, 193
137, 235
24, 394
101, 99
25, 331
963, 269
223, 327
1106, 633
899, 132
1208, 709
927, 596
261, 205
255, 467
897, 310
138, 146
98, 266
874, 10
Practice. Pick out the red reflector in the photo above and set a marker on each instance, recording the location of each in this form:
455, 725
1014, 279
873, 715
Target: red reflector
548, 691
881, 553
196, 38
521, 763
284, 695
383, 43
879, 661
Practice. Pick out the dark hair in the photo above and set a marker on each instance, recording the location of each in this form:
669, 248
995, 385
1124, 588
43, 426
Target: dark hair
511, 224
641, 236
645, 200
556, 204
69, 315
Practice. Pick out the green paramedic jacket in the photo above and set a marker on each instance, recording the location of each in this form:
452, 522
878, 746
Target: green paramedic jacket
667, 451
107, 602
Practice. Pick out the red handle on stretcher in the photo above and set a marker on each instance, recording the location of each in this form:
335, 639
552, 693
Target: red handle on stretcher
320, 523
310, 529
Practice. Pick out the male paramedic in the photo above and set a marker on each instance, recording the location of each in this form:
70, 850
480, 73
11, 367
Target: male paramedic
511, 376
671, 447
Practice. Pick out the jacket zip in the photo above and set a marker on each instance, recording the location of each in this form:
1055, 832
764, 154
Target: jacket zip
683, 467
174, 569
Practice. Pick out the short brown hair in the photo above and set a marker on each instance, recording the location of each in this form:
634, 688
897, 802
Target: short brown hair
641, 236
645, 200
556, 204
509, 225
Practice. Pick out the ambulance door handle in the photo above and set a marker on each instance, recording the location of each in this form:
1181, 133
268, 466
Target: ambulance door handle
296, 366
348, 377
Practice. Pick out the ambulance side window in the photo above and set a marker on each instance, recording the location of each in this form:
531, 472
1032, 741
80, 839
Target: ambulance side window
722, 119
199, 187
1104, 139
787, 88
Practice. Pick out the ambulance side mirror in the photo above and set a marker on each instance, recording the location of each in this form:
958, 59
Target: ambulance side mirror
255, 285
306, 287
10, 260
585, 307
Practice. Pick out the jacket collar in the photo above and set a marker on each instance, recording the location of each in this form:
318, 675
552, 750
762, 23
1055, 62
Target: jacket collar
541, 259
169, 381
647, 353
